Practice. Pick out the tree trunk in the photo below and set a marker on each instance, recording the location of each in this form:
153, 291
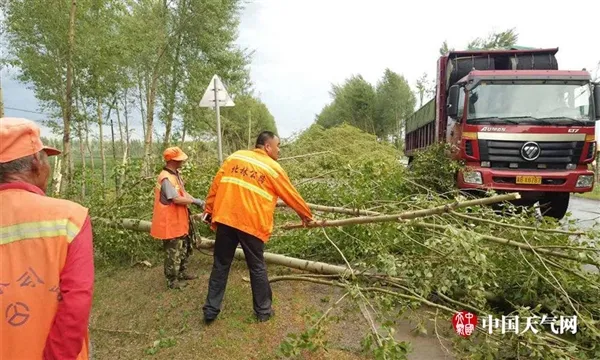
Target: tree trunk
67, 109
87, 141
141, 99
83, 167
204, 243
406, 215
172, 93
151, 99
114, 149
183, 134
126, 113
119, 123
101, 141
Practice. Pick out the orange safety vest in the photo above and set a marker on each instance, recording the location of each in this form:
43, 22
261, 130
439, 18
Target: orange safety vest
244, 193
169, 221
34, 238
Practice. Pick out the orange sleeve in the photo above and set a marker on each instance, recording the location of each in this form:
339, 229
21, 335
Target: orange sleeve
212, 192
287, 192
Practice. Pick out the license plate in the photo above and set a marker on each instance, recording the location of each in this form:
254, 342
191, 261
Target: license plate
532, 180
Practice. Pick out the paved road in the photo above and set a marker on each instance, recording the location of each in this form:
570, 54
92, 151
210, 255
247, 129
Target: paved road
586, 211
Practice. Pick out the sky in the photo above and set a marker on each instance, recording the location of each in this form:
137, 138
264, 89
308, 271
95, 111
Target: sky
302, 47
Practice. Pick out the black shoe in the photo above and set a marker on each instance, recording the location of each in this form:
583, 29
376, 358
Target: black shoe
266, 317
208, 321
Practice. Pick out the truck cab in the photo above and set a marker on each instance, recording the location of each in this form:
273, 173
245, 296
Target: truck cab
518, 128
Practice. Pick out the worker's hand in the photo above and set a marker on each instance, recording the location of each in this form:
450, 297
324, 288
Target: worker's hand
199, 203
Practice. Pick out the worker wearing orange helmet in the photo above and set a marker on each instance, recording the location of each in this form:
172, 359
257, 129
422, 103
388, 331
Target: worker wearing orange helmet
46, 255
240, 207
171, 221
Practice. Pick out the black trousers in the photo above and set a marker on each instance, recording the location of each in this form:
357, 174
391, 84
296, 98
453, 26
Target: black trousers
226, 243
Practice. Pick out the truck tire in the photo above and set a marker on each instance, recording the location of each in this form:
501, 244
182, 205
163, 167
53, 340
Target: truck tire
555, 205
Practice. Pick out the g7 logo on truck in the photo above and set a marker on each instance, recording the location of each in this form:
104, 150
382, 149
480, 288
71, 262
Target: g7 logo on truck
572, 130
488, 128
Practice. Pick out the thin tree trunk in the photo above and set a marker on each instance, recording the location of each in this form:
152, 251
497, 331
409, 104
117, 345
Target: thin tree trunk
114, 149
66, 165
141, 99
126, 113
151, 99
406, 215
81, 148
183, 134
172, 93
101, 141
83, 167
87, 141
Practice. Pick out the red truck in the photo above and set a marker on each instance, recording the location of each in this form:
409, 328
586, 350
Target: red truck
517, 122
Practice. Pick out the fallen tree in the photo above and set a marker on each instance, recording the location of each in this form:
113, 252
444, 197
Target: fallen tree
490, 261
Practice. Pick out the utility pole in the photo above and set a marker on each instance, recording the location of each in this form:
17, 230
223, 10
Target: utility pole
219, 140
216, 96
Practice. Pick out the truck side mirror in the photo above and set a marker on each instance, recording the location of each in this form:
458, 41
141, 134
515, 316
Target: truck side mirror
597, 100
452, 103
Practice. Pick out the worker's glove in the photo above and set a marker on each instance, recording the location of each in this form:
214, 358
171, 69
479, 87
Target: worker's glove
199, 203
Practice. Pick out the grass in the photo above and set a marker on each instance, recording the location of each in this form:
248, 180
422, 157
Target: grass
134, 316
594, 194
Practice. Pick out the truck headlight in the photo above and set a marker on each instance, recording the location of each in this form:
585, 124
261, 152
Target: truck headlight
585, 181
472, 177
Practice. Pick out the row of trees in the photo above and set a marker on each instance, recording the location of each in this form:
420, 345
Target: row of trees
378, 109
96, 64
382, 109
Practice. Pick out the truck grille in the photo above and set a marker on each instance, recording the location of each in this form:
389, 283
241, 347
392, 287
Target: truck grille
553, 155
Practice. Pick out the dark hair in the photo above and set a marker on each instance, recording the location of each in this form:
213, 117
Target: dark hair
263, 137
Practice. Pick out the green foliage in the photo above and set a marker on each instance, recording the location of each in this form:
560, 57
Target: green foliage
495, 40
162, 343
358, 148
378, 110
235, 121
394, 102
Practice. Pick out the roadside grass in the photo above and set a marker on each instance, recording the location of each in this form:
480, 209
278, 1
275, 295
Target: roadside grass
134, 316
594, 194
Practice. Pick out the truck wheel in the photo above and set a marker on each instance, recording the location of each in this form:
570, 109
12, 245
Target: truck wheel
555, 205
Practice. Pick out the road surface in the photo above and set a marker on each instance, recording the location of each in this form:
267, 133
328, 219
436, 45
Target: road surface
586, 211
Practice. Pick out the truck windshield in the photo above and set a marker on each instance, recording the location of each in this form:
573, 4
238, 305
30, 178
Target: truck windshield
543, 102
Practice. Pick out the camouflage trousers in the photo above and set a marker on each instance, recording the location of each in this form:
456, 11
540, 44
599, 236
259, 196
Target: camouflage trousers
177, 252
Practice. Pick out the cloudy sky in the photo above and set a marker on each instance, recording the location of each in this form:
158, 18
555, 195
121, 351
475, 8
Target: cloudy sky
303, 46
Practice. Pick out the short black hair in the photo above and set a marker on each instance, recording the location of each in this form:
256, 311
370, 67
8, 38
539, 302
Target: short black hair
263, 137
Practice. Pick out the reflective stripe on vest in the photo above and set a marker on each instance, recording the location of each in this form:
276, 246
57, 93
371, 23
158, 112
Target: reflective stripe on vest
37, 229
246, 185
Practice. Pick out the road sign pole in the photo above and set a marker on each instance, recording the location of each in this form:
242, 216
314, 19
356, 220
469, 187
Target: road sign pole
219, 142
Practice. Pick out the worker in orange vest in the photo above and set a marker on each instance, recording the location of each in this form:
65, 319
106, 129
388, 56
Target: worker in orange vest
171, 218
240, 207
46, 255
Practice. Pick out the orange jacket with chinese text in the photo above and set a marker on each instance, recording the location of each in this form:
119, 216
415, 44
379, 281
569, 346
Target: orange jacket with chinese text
35, 238
245, 190
169, 221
